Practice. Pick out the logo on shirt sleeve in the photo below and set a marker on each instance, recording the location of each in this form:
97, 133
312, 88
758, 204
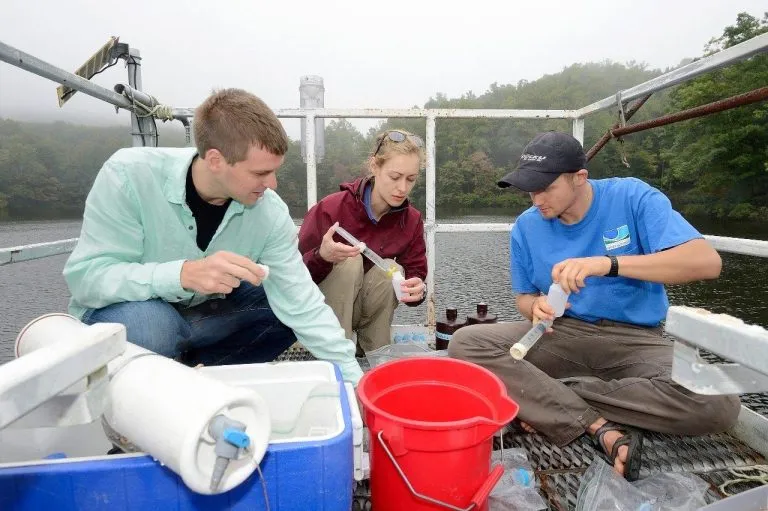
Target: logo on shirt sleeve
616, 238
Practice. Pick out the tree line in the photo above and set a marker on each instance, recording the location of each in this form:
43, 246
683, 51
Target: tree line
715, 166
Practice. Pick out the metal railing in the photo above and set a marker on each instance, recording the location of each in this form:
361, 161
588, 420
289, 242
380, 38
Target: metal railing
723, 58
682, 74
747, 345
38, 250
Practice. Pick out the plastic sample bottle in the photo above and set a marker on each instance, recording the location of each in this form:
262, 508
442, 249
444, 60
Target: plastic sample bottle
445, 328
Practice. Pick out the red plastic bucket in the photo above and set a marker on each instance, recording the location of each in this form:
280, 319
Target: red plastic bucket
431, 422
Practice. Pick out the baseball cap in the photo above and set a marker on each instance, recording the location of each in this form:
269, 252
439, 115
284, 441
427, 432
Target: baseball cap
546, 156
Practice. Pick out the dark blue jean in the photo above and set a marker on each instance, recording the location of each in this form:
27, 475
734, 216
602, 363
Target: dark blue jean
238, 329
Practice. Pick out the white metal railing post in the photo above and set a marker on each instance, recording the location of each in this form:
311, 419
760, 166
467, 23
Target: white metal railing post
309, 134
578, 129
430, 226
142, 128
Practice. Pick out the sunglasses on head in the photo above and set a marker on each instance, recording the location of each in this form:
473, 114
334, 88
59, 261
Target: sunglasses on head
399, 136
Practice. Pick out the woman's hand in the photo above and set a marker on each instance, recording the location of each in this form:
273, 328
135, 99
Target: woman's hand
335, 252
413, 290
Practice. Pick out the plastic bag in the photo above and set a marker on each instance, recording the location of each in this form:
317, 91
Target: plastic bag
395, 352
674, 491
602, 489
516, 490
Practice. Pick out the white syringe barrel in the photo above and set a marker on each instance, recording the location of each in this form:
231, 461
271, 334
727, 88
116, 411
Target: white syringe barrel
347, 236
367, 252
557, 299
520, 349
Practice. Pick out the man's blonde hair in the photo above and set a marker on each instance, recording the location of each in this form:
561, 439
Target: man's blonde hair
233, 120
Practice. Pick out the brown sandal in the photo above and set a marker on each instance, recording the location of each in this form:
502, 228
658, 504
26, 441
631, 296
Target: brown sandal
632, 438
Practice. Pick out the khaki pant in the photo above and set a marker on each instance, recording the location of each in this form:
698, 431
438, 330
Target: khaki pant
618, 371
363, 302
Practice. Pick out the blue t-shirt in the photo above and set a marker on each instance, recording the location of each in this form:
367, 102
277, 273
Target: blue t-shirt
626, 217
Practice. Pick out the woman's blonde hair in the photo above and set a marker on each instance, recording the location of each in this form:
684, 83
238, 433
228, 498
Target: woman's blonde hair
386, 148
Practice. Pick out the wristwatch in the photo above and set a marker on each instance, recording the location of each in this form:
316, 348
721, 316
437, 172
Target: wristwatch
614, 271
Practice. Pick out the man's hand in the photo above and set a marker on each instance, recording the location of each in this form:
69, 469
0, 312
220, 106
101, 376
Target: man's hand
570, 274
220, 273
413, 290
334, 252
540, 311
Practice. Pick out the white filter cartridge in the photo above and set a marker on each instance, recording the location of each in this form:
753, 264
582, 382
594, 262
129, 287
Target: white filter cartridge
165, 409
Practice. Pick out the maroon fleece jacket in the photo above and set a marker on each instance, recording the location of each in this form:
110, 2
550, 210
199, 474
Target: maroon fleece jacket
398, 235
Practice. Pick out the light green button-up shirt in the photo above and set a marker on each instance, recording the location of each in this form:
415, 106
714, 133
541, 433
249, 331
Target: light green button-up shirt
138, 231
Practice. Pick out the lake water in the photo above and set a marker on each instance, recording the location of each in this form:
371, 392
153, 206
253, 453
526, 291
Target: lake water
470, 268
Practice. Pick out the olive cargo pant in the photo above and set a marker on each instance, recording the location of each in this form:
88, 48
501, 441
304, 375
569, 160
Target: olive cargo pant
583, 371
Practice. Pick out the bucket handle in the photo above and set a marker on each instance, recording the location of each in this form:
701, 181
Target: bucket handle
480, 496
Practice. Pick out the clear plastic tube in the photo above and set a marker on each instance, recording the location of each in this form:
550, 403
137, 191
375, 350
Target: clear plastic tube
367, 252
392, 271
557, 299
521, 347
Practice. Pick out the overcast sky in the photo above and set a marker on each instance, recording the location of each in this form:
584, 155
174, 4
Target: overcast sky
370, 53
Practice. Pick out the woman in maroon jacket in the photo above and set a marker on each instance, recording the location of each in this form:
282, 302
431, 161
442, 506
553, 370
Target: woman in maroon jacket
375, 209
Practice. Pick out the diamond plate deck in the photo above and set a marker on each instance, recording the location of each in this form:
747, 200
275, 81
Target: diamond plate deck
718, 477
559, 470
757, 402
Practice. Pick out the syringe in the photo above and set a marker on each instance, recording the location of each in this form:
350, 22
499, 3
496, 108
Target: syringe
521, 347
391, 270
556, 298
367, 252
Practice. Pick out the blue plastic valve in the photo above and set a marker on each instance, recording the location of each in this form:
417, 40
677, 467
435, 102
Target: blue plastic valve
237, 438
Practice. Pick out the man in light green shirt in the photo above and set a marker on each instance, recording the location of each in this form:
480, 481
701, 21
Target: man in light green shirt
171, 239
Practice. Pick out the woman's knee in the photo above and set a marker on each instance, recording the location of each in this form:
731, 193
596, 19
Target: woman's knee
351, 266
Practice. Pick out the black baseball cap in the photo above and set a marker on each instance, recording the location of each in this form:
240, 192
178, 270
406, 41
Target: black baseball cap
545, 157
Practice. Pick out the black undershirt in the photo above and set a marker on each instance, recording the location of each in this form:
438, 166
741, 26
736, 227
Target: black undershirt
207, 216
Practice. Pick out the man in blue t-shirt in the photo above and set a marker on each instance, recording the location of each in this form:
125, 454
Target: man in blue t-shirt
604, 367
